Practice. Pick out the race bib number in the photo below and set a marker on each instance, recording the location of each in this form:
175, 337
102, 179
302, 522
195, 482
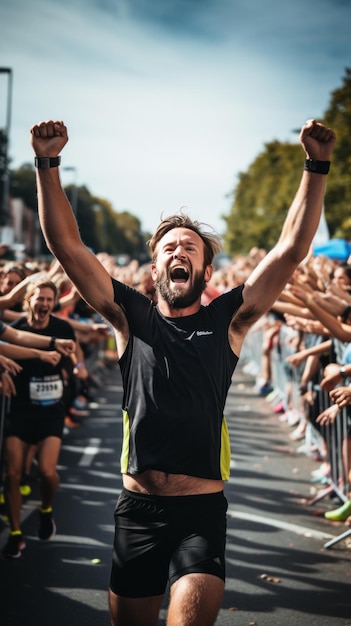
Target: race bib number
46, 391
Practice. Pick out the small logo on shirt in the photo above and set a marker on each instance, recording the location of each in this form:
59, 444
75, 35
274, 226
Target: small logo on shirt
199, 333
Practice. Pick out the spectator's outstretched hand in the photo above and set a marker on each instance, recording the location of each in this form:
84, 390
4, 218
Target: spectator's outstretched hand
295, 359
331, 376
317, 140
9, 365
48, 138
8, 387
51, 357
341, 396
8, 368
65, 346
328, 416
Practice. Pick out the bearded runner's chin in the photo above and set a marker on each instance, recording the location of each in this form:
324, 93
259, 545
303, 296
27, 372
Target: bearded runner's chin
180, 295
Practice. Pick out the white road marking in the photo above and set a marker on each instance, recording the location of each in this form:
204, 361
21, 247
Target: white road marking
270, 521
97, 488
90, 452
81, 449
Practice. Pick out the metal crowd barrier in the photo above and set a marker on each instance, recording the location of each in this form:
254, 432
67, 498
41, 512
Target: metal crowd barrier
333, 436
336, 437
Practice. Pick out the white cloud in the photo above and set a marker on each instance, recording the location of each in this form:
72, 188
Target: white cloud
163, 112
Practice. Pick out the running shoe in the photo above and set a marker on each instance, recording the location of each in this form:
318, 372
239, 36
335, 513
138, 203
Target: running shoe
25, 487
71, 423
341, 514
14, 546
47, 526
266, 389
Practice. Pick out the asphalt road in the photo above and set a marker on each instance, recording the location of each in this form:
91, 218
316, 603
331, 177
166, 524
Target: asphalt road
279, 572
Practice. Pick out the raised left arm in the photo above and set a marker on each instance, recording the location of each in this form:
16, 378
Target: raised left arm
271, 275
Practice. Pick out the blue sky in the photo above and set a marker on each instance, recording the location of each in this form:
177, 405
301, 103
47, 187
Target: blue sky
166, 101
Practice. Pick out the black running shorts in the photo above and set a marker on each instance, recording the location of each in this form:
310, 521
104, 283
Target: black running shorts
34, 430
161, 538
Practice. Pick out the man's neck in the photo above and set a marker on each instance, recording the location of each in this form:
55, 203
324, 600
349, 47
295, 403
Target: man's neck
169, 311
39, 325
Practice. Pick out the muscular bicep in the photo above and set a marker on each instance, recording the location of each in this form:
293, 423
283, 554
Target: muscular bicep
93, 282
256, 303
269, 278
243, 319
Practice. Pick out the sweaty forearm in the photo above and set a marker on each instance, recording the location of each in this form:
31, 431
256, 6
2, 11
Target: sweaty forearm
56, 217
26, 338
304, 214
62, 236
317, 350
291, 309
338, 330
19, 352
303, 218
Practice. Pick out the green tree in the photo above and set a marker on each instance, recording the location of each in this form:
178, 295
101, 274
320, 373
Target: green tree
101, 228
131, 227
338, 194
265, 191
262, 198
22, 185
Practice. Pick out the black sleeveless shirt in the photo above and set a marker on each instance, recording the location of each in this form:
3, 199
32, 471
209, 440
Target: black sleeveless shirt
176, 374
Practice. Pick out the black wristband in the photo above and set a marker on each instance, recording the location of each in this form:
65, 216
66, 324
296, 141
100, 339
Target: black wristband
303, 388
346, 314
43, 163
52, 343
342, 372
317, 167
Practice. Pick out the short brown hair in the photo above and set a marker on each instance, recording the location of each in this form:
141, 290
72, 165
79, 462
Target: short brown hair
15, 269
212, 241
43, 284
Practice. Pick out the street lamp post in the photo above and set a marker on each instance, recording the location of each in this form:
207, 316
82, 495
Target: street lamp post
4, 155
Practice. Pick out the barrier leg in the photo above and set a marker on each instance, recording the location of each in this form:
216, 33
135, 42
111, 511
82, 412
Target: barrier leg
323, 493
332, 542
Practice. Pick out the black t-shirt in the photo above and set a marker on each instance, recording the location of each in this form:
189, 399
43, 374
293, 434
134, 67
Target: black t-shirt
40, 385
176, 375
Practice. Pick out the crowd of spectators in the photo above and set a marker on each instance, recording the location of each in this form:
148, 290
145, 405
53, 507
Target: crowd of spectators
310, 325
304, 369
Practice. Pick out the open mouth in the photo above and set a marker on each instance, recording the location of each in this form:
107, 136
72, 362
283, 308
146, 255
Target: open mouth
179, 274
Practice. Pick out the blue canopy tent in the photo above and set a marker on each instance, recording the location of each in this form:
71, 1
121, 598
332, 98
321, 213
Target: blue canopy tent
339, 249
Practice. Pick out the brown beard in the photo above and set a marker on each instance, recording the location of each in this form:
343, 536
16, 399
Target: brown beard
177, 299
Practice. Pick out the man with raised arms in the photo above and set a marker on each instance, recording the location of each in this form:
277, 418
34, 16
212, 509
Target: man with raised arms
177, 359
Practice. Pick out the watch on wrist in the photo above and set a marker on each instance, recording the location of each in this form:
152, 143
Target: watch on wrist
317, 167
44, 163
342, 372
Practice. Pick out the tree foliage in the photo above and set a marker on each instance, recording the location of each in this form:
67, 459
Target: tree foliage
23, 185
262, 198
265, 191
338, 195
101, 228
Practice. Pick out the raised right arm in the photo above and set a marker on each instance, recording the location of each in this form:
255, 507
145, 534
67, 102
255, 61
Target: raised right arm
62, 235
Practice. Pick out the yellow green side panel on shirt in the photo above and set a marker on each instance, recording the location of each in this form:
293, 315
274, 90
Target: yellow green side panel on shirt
224, 457
225, 451
125, 446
